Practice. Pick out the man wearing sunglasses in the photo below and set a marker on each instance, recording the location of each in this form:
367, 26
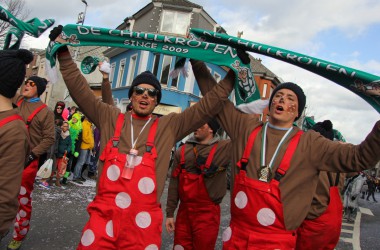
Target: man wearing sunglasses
39, 120
14, 138
136, 147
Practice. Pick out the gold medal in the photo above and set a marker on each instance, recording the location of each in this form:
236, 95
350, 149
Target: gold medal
264, 173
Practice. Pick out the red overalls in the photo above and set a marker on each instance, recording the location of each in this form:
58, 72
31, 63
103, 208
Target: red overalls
125, 214
257, 220
323, 232
21, 226
198, 217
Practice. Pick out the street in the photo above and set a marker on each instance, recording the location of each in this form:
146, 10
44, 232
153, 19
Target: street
60, 214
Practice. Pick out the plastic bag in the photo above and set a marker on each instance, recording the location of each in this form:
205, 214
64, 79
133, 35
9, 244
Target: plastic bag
45, 170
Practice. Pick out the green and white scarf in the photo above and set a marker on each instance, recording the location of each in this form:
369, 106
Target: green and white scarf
77, 35
33, 27
365, 85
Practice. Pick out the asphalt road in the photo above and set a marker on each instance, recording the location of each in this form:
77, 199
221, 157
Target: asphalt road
60, 214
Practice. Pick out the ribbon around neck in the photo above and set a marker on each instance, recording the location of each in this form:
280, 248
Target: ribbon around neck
364, 84
33, 27
219, 54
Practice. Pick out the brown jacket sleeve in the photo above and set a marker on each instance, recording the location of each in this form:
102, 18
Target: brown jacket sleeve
173, 196
81, 92
202, 112
107, 92
229, 112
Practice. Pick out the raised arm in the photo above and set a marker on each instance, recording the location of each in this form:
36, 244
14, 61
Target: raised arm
81, 92
200, 113
232, 120
337, 157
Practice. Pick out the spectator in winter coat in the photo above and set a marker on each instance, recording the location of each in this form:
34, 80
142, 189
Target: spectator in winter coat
95, 154
58, 110
371, 188
14, 138
75, 124
351, 195
86, 147
63, 151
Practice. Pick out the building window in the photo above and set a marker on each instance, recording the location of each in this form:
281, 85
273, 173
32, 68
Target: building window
156, 63
113, 66
165, 69
131, 69
264, 93
120, 74
174, 82
175, 22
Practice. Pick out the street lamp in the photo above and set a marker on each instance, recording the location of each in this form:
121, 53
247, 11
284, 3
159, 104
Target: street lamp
82, 15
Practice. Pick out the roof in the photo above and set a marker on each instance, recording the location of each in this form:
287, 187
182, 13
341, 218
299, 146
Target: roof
184, 3
258, 68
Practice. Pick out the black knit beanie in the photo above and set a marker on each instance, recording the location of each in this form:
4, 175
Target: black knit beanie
297, 90
325, 128
12, 70
214, 125
148, 78
40, 83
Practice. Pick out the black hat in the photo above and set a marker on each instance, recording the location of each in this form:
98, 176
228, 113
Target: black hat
325, 128
148, 78
40, 83
297, 90
12, 70
214, 125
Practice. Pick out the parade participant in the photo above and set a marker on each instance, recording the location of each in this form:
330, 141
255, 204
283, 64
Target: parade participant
134, 163
277, 167
199, 182
40, 122
324, 221
14, 137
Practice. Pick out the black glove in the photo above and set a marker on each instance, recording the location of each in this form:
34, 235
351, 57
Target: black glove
31, 157
353, 198
54, 33
243, 55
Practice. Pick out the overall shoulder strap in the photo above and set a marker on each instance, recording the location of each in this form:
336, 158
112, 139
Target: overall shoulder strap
285, 162
34, 113
243, 162
9, 119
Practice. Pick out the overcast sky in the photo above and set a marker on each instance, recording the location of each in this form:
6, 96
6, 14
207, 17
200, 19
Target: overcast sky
345, 32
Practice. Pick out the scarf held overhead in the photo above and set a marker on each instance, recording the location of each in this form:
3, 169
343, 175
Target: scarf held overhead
219, 54
365, 85
33, 27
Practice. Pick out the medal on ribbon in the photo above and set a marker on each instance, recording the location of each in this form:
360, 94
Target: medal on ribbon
264, 173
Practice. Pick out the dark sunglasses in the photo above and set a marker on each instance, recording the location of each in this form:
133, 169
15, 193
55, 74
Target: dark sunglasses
31, 83
151, 92
59, 107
